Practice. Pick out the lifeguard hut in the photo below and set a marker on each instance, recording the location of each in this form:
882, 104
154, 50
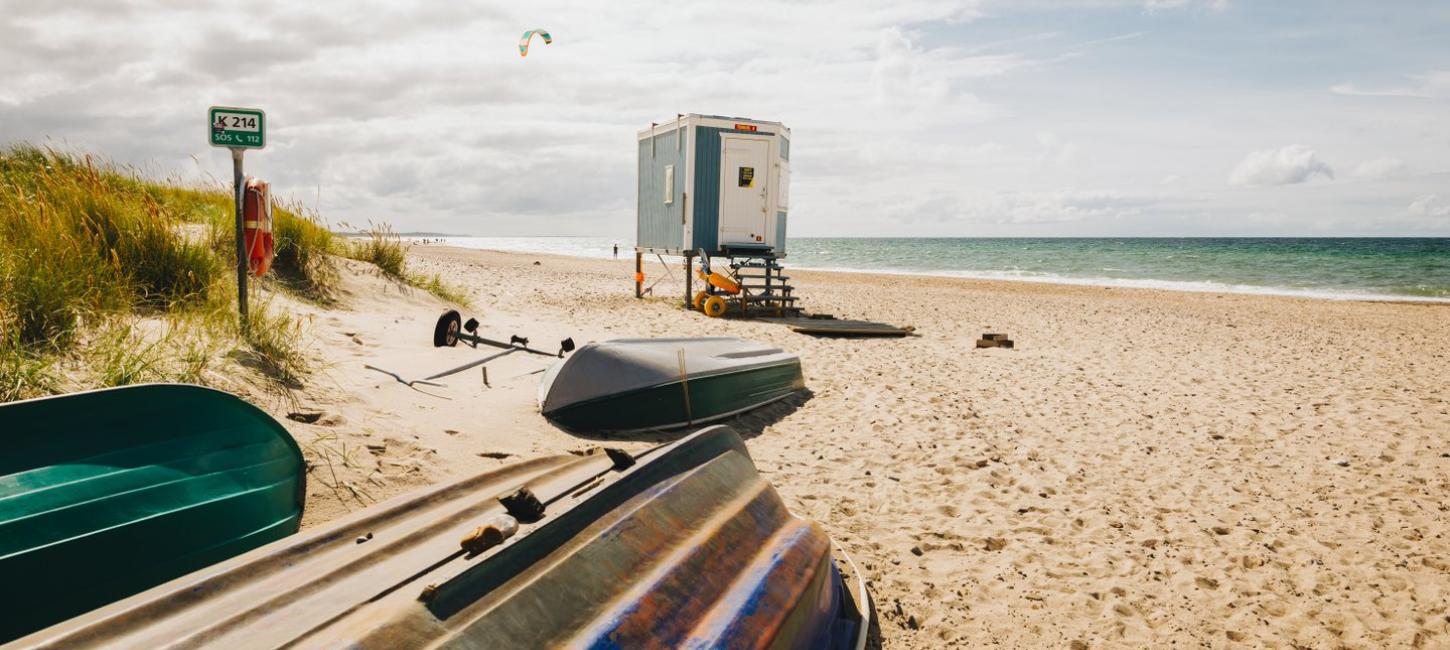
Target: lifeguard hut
717, 189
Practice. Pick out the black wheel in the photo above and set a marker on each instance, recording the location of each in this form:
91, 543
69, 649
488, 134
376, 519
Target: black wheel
446, 331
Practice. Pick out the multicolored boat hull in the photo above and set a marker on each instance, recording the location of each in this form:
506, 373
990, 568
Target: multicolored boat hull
684, 545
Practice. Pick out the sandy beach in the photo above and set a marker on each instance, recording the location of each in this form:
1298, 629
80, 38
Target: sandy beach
1146, 469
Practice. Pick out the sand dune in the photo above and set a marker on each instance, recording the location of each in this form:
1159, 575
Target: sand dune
1147, 468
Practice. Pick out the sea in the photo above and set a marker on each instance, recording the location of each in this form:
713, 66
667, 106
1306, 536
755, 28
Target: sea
1411, 269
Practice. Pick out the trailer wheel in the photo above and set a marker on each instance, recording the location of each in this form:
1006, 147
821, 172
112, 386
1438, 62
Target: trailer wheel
714, 306
699, 301
446, 331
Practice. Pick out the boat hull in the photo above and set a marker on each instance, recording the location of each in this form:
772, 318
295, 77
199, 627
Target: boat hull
106, 493
685, 545
664, 406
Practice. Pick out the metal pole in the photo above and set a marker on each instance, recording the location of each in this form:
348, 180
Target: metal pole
239, 189
689, 281
638, 274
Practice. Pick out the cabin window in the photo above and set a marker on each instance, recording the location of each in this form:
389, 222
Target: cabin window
669, 184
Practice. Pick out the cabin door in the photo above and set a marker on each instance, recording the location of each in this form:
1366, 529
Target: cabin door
744, 172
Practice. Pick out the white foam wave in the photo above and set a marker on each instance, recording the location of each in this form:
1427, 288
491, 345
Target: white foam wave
602, 248
1136, 283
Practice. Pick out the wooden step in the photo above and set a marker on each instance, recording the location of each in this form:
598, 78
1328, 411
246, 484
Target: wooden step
773, 285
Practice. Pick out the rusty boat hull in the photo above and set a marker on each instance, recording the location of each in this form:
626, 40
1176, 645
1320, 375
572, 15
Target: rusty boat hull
682, 545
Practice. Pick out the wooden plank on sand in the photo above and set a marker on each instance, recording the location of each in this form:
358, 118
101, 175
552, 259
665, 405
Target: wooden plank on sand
841, 327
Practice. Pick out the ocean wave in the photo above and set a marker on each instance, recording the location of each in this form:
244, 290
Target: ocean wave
874, 262
1140, 283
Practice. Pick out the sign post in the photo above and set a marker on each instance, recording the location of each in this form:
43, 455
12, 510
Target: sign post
238, 129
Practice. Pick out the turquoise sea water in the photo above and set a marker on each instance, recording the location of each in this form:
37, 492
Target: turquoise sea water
1363, 268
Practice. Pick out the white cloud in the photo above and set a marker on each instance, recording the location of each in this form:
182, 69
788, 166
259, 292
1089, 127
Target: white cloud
1217, 6
898, 76
425, 116
1287, 165
1435, 83
1056, 151
1023, 208
1430, 205
1381, 168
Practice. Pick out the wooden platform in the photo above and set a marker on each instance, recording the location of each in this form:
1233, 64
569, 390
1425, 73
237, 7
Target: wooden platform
840, 327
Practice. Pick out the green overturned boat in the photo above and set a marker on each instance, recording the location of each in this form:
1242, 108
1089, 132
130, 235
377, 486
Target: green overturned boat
638, 384
107, 493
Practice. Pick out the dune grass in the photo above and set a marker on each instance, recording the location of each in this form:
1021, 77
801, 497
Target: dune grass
108, 278
88, 248
381, 247
303, 247
273, 338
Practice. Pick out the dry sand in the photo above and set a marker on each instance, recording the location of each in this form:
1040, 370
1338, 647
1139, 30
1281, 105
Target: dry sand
1147, 468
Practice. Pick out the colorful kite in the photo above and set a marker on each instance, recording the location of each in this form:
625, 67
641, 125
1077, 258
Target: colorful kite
528, 36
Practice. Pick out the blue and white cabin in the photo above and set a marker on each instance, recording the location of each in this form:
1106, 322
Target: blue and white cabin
712, 183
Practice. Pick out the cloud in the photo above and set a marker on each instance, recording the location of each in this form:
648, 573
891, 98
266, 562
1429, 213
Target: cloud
1025, 208
1381, 168
1216, 6
1435, 83
1055, 151
1430, 205
1287, 165
907, 76
897, 75
1005, 113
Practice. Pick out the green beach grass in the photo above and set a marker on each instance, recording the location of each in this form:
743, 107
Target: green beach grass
381, 247
110, 278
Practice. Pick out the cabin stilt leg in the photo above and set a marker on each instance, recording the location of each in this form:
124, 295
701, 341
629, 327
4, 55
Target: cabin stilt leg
689, 279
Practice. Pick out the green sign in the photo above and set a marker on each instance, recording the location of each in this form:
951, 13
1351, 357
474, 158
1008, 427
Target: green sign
237, 128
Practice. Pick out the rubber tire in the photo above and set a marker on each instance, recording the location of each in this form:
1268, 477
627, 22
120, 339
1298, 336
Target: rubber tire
698, 303
714, 307
446, 331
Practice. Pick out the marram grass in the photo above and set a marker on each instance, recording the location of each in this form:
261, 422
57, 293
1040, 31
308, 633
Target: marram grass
381, 247
90, 250
87, 248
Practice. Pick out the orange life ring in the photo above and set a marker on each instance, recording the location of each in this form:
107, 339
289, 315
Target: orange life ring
257, 226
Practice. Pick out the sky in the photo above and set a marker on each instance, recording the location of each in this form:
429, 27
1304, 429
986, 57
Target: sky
908, 117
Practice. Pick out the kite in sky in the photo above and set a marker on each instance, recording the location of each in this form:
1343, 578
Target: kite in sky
528, 36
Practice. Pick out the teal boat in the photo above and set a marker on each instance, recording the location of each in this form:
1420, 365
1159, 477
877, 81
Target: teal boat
684, 545
107, 493
638, 384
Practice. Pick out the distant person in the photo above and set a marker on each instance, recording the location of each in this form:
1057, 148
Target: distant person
616, 251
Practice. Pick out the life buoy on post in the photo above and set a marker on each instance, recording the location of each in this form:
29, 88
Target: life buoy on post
257, 226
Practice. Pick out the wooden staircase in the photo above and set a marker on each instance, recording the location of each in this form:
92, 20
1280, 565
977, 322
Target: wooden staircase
764, 291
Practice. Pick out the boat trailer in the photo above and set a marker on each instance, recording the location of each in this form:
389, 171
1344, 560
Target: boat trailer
451, 329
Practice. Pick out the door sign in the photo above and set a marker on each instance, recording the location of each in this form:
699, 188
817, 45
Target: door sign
747, 177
